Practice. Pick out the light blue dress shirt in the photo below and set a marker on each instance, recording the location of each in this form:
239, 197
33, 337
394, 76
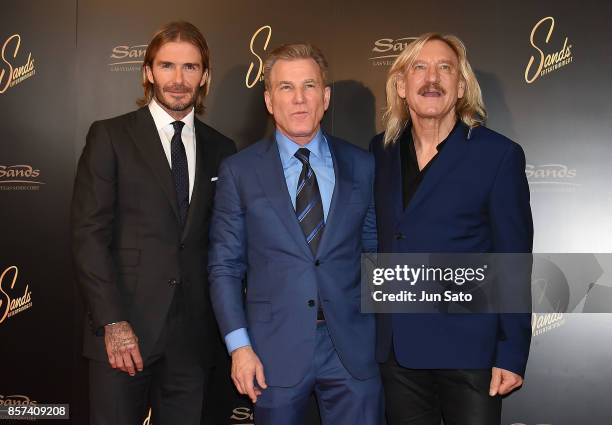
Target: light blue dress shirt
323, 167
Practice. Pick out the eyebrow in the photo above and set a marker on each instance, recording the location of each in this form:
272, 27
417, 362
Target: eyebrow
447, 60
195, 64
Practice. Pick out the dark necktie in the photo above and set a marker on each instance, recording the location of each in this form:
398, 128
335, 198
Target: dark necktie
309, 208
308, 205
180, 171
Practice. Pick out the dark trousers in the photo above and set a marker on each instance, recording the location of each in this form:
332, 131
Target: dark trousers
172, 383
343, 400
429, 396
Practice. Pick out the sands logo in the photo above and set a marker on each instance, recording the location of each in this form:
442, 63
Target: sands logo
520, 423
251, 78
545, 322
551, 177
16, 400
242, 414
541, 63
386, 50
126, 58
13, 70
147, 420
19, 177
12, 301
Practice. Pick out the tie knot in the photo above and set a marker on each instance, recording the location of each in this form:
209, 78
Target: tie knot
178, 126
303, 155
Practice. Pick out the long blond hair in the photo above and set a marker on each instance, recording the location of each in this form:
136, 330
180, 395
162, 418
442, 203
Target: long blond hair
470, 108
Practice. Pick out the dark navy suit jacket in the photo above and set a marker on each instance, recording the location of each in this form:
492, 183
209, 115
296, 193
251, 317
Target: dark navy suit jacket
255, 234
474, 198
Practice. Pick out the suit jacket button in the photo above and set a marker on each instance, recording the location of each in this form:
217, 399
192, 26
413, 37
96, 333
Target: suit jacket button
182, 246
172, 282
399, 236
311, 303
317, 263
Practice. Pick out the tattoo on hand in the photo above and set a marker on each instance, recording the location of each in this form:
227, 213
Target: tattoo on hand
120, 337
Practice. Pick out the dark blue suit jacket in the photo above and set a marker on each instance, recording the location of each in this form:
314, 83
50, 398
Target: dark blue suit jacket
255, 234
474, 198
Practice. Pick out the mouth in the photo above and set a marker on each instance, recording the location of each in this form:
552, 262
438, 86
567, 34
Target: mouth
432, 91
299, 114
176, 93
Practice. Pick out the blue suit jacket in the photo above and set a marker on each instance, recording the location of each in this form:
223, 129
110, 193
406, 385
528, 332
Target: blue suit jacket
255, 235
474, 198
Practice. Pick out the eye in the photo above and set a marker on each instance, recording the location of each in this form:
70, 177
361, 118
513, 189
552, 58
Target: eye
445, 67
164, 65
284, 87
418, 66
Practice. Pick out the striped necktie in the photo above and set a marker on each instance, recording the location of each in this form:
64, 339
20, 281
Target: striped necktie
308, 205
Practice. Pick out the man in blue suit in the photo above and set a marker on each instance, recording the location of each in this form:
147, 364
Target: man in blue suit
292, 215
445, 183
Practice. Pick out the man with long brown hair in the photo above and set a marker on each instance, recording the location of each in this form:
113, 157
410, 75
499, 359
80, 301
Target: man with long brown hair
140, 212
447, 184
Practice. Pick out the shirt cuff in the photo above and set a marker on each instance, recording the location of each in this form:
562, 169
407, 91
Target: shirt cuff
236, 339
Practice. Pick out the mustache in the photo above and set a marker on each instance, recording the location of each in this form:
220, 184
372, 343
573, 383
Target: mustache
177, 88
432, 87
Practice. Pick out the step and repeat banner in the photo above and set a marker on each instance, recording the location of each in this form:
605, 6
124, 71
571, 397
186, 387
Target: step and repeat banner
544, 68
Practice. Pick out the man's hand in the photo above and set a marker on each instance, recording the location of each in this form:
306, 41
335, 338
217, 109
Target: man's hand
246, 367
503, 381
122, 347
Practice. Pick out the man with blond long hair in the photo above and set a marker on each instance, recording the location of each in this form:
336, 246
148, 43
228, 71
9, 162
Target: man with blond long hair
445, 183
140, 213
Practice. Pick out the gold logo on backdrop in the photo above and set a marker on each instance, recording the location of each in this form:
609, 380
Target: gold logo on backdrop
12, 302
147, 420
250, 81
127, 58
242, 414
19, 177
386, 50
16, 400
14, 71
542, 63
544, 322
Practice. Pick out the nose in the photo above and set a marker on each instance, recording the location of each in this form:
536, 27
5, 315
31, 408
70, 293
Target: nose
178, 75
433, 75
298, 95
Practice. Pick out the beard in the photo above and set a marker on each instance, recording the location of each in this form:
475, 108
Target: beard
164, 96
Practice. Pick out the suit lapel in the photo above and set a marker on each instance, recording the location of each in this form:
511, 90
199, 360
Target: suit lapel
395, 180
448, 158
272, 179
343, 173
145, 136
201, 185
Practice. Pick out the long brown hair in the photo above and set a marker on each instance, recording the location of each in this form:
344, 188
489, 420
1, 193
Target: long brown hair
176, 31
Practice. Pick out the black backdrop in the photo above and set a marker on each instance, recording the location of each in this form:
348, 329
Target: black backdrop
67, 63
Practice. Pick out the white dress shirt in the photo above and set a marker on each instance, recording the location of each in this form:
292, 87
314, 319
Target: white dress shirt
163, 123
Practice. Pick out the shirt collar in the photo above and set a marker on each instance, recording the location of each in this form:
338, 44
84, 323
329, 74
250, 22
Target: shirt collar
288, 148
163, 119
